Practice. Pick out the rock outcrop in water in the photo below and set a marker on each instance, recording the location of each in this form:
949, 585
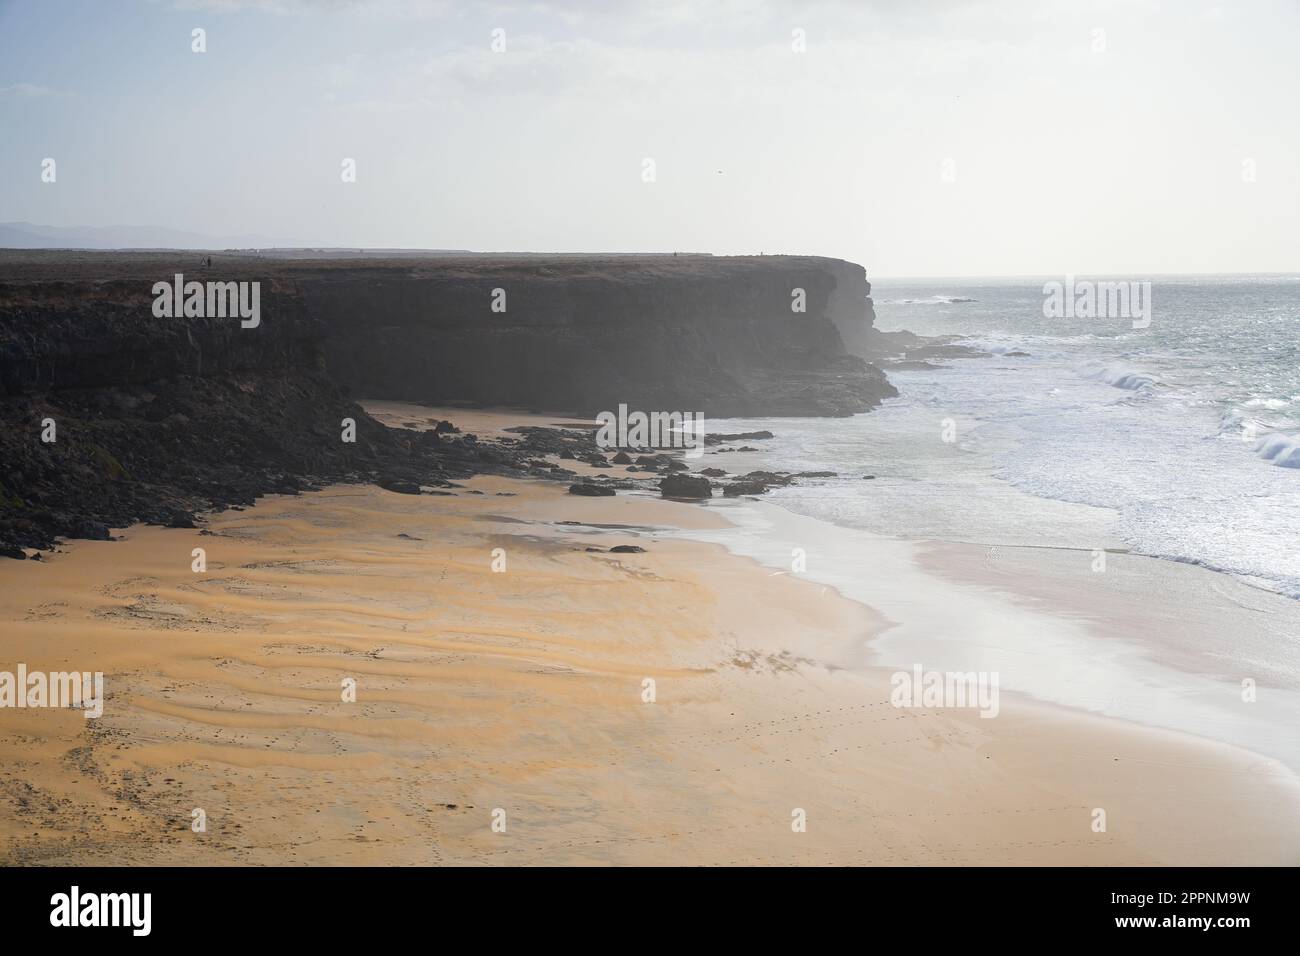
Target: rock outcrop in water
155, 418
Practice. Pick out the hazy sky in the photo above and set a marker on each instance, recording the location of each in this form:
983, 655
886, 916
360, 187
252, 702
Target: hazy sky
982, 138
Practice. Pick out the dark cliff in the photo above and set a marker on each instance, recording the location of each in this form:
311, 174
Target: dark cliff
581, 335
572, 334
159, 416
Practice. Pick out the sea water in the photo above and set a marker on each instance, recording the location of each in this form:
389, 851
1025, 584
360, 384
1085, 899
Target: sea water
1179, 441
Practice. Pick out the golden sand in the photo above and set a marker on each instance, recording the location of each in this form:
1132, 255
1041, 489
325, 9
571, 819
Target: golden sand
518, 697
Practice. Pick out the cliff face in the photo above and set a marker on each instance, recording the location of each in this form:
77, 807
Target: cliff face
110, 415
84, 333
717, 336
569, 334
157, 416
849, 306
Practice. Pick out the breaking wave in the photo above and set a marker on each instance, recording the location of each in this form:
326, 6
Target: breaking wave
1119, 376
1281, 450
932, 300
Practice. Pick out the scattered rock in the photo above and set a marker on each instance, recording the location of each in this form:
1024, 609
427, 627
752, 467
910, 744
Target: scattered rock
88, 530
9, 551
769, 477
179, 519
399, 485
713, 472
626, 549
685, 486
591, 491
622, 458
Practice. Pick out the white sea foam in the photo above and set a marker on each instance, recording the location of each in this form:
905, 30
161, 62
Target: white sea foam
1282, 450
930, 300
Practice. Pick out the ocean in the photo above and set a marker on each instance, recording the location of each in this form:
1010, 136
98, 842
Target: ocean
1180, 440
1079, 441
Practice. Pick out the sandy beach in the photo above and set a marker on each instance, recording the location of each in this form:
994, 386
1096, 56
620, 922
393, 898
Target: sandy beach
504, 716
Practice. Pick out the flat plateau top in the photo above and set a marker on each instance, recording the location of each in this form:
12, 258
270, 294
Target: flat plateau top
56, 265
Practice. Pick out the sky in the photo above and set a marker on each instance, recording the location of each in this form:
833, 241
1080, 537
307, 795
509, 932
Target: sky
923, 138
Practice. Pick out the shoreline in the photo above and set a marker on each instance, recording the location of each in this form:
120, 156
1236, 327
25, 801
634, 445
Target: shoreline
1103, 624
513, 691
1055, 645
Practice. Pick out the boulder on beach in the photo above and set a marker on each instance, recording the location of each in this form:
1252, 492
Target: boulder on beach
180, 519
591, 491
685, 486
399, 485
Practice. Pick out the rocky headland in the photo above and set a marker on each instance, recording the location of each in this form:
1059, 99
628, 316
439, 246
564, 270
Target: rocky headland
113, 414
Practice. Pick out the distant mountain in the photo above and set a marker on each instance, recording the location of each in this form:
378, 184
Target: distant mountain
26, 235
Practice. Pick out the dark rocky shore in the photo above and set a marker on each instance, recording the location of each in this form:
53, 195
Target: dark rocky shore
156, 419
